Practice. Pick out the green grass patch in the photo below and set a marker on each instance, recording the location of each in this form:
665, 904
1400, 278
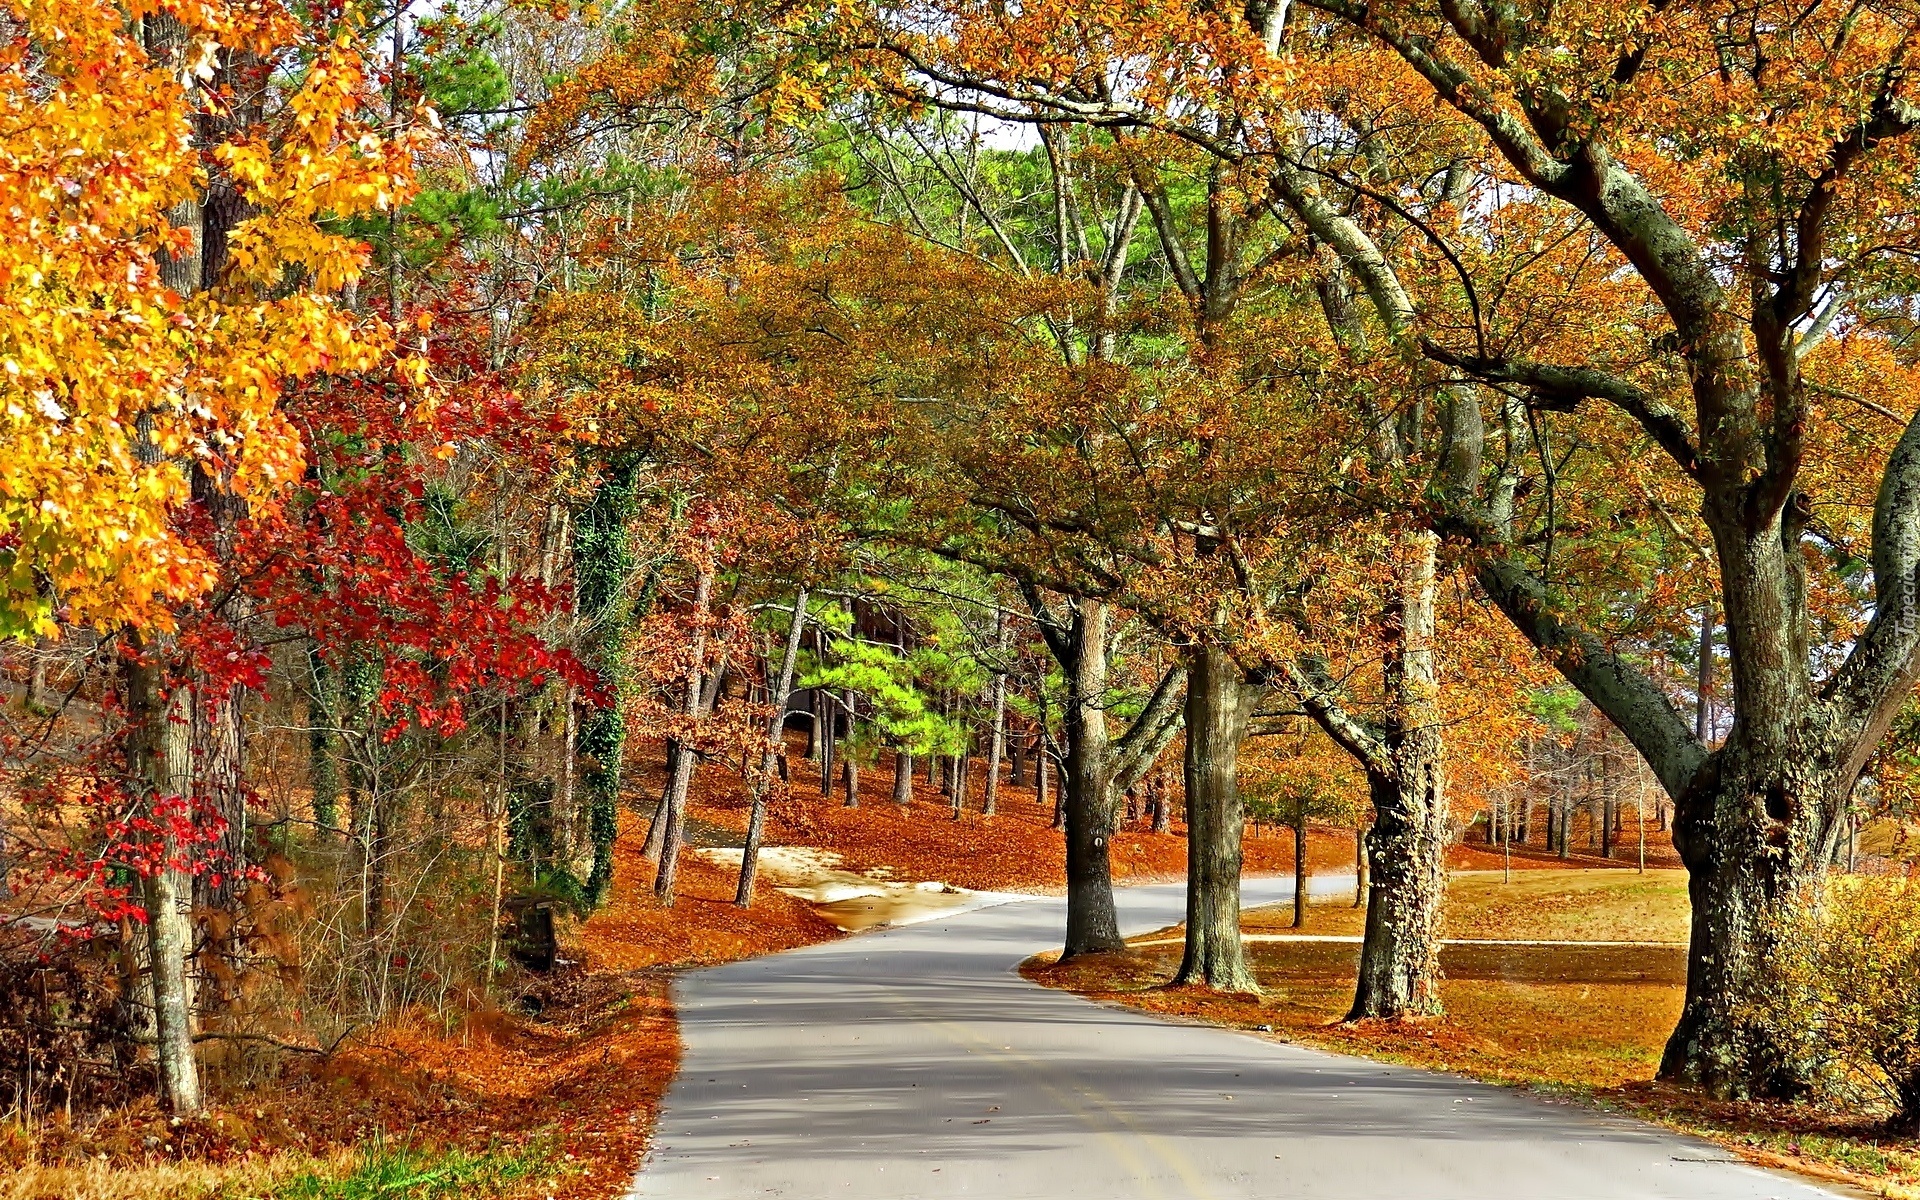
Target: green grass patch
414, 1173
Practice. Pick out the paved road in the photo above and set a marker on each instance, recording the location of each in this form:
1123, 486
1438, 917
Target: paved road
914, 1063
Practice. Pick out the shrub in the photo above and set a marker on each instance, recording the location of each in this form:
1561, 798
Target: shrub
63, 1035
1844, 986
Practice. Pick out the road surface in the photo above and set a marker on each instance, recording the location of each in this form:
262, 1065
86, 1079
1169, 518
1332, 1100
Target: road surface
914, 1063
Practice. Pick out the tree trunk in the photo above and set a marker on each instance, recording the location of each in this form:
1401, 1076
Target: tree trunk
1093, 926
997, 744
776, 738
1219, 705
1360, 887
170, 946
829, 734
323, 723
375, 846
571, 848
1703, 679
602, 561
657, 826
1300, 868
1162, 805
902, 778
1406, 849
850, 778
157, 755
676, 800
1399, 955
1746, 865
39, 697
219, 749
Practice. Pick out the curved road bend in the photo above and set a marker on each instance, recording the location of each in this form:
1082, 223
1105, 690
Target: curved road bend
914, 1063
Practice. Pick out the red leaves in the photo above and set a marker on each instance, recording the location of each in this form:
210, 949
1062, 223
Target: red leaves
373, 553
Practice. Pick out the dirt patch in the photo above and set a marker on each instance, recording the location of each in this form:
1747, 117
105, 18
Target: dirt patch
853, 900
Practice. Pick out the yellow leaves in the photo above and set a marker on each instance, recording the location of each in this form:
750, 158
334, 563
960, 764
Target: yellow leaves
111, 381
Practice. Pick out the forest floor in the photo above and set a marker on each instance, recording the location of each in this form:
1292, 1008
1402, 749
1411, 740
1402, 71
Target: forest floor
1583, 1019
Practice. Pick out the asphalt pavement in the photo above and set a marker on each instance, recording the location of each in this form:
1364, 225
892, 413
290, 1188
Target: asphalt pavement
915, 1063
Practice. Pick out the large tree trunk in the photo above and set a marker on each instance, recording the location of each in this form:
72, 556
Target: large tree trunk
168, 895
776, 735
1094, 764
1746, 863
218, 748
1219, 706
1406, 857
1093, 926
602, 561
1399, 955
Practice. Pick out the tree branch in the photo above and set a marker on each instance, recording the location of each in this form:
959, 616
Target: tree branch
1560, 388
1635, 705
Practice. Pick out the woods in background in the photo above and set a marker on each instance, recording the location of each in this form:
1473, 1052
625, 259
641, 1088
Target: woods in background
1436, 423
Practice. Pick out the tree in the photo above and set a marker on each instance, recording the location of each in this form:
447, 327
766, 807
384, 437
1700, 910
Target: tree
1297, 778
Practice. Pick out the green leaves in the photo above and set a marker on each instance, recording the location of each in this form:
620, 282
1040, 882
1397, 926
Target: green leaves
887, 681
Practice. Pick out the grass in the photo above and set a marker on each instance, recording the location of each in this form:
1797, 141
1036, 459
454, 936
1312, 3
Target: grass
377, 1172
1543, 905
1585, 1022
407, 1173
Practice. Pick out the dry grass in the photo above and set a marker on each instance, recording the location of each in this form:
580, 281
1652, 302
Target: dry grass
1538, 905
160, 1181
1589, 1021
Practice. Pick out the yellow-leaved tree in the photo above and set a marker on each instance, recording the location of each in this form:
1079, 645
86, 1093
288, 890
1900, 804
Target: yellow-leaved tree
176, 182
121, 365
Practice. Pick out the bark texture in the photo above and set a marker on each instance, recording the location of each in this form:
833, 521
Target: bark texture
1406, 849
1220, 703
